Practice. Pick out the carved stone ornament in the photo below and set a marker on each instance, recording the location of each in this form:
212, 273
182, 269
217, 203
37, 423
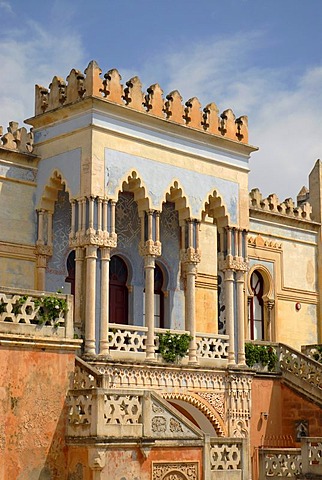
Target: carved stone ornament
96, 458
175, 471
45, 250
159, 424
150, 248
190, 256
101, 239
233, 263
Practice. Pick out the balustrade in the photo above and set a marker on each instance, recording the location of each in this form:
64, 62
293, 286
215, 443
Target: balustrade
276, 463
29, 312
306, 370
228, 454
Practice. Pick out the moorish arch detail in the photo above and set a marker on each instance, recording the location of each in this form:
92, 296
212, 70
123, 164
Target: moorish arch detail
175, 194
175, 471
204, 406
133, 183
215, 208
54, 184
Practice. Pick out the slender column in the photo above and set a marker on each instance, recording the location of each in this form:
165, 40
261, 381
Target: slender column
228, 241
105, 268
50, 228
40, 239
91, 256
91, 213
197, 235
79, 285
183, 236
99, 214
149, 265
190, 310
150, 218
105, 215
41, 272
157, 226
113, 204
240, 280
73, 220
83, 204
190, 234
229, 300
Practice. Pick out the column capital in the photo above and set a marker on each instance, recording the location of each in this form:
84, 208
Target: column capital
190, 255
231, 262
150, 248
44, 250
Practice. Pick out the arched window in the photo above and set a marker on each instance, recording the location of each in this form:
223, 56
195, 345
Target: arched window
158, 298
256, 307
71, 271
118, 291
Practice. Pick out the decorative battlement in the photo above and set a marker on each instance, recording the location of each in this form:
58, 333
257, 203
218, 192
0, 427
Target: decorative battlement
17, 138
171, 108
273, 205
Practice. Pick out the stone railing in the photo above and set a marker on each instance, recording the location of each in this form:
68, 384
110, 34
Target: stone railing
229, 455
29, 312
104, 413
86, 376
301, 372
311, 448
313, 351
276, 463
292, 462
171, 108
128, 339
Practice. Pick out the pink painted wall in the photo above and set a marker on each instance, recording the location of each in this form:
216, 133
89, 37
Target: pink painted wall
33, 387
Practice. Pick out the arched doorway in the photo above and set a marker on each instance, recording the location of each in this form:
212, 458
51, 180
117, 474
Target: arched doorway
118, 291
256, 307
70, 264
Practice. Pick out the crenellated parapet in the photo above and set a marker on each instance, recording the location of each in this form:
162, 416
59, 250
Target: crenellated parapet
80, 85
18, 139
272, 204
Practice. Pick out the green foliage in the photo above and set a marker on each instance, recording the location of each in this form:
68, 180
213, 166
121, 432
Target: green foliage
50, 308
263, 354
173, 346
16, 308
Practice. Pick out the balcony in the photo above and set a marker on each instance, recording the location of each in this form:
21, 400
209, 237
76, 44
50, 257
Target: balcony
30, 313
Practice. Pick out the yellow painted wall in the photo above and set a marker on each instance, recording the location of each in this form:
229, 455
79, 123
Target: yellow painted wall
15, 272
17, 215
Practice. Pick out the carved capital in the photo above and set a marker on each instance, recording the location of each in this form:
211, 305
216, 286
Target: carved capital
150, 248
44, 250
190, 255
233, 263
98, 238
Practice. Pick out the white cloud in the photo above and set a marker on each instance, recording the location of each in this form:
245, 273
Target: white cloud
284, 107
33, 55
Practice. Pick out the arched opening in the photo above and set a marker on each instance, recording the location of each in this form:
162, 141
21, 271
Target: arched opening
158, 297
70, 264
118, 292
256, 307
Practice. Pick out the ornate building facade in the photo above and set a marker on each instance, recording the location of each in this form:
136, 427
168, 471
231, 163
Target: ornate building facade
126, 221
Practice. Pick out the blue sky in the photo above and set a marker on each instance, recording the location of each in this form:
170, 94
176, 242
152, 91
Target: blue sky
262, 58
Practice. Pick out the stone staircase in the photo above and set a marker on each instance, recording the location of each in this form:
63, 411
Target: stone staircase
300, 372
